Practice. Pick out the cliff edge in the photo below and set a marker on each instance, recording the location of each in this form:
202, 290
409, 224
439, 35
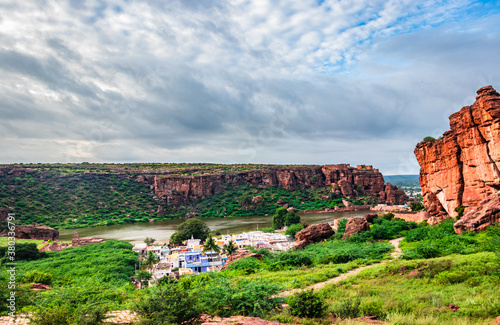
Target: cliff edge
462, 168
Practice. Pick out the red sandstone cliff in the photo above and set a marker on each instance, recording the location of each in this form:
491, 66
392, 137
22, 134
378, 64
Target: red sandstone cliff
463, 167
345, 180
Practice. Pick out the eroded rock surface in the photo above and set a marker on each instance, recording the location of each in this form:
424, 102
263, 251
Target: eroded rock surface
313, 234
355, 225
463, 167
486, 213
34, 232
344, 179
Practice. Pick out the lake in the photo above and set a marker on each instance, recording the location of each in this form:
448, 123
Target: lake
162, 230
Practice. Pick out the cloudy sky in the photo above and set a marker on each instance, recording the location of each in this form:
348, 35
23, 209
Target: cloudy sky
297, 81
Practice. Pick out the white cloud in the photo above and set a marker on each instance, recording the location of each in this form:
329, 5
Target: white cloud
210, 80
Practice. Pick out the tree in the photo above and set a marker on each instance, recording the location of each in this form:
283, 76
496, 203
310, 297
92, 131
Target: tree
279, 218
190, 228
291, 218
141, 277
149, 241
210, 245
230, 248
150, 260
282, 218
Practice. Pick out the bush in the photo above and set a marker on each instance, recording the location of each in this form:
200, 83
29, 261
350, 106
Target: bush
416, 206
37, 277
347, 308
247, 298
429, 139
168, 304
292, 230
307, 304
460, 212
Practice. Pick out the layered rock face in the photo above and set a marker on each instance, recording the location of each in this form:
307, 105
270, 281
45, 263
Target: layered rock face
463, 167
345, 180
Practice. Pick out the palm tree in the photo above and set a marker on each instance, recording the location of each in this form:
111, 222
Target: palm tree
210, 245
230, 248
150, 260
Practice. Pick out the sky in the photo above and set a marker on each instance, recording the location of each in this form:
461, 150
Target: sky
277, 82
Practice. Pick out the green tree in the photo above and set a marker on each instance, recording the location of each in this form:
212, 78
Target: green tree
230, 248
210, 245
279, 218
291, 218
190, 228
150, 260
149, 241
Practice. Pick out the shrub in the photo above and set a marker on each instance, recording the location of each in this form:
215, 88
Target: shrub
416, 206
247, 298
293, 229
168, 304
307, 304
429, 139
460, 212
347, 308
36, 276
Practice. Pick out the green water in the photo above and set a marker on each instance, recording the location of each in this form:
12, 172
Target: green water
162, 230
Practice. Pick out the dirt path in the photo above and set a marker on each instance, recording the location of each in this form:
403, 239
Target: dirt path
397, 252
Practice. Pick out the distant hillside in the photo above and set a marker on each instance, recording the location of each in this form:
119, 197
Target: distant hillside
87, 194
403, 180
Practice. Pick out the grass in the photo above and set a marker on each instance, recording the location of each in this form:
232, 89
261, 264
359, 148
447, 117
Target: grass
392, 293
39, 243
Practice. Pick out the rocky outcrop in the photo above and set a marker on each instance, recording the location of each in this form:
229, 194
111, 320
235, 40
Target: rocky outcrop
239, 255
485, 214
34, 232
313, 234
344, 180
4, 214
463, 167
355, 225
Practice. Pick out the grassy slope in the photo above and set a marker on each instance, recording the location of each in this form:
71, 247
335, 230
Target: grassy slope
90, 274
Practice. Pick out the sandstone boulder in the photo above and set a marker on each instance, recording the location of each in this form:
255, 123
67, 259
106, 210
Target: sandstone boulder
479, 218
239, 255
370, 217
313, 234
355, 225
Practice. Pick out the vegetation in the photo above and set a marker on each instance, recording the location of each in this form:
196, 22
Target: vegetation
190, 228
230, 249
86, 282
210, 245
85, 195
149, 241
283, 218
307, 304
429, 139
